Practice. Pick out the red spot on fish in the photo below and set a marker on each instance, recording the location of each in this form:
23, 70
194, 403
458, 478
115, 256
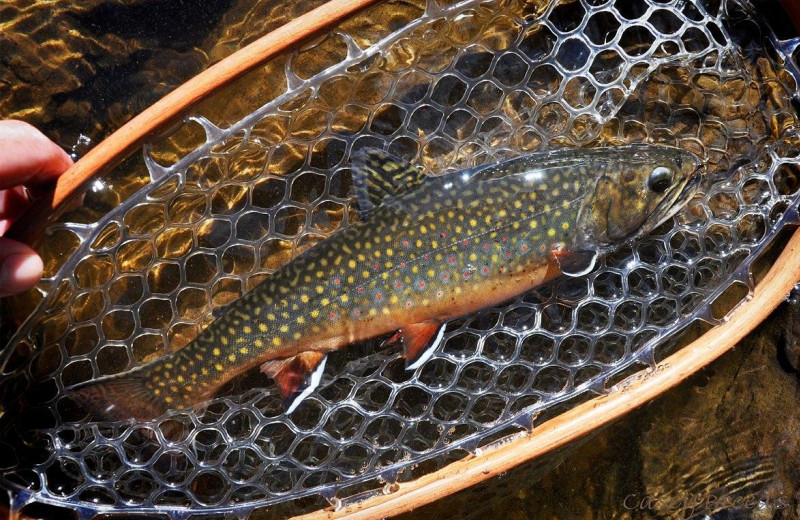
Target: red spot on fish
421, 284
337, 281
443, 234
331, 315
486, 245
466, 274
409, 304
427, 256
485, 270
402, 264
439, 294
524, 248
398, 284
465, 242
405, 243
379, 296
508, 254
359, 290
504, 239
357, 312
451, 260
542, 248
376, 266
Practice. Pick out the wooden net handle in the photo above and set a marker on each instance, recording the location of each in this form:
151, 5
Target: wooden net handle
165, 111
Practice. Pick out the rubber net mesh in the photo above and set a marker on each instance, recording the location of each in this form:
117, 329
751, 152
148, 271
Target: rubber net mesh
446, 87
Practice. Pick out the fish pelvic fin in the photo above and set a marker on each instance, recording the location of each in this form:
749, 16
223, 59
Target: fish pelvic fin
420, 341
121, 397
296, 377
380, 176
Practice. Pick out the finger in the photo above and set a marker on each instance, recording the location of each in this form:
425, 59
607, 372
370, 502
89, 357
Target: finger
28, 156
13, 203
20, 267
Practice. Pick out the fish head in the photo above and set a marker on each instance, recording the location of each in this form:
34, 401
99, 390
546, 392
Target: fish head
640, 190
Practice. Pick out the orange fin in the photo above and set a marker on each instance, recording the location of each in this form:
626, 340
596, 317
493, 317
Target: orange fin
575, 263
296, 376
420, 341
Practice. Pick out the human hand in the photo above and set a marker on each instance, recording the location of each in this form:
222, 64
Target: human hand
28, 160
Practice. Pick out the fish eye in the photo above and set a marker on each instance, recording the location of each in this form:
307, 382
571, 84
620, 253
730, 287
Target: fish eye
660, 179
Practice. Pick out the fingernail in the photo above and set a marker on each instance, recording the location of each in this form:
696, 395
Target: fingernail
19, 272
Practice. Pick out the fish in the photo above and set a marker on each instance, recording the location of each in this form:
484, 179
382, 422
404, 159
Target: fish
425, 250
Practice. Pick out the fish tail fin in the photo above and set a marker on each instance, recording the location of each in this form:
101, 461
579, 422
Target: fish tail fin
118, 398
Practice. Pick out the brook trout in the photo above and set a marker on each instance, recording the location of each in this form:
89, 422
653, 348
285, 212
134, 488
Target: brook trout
427, 249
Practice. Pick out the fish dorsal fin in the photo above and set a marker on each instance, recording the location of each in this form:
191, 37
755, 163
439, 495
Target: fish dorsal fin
379, 175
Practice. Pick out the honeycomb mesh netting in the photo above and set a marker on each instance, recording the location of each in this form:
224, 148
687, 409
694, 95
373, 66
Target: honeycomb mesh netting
452, 86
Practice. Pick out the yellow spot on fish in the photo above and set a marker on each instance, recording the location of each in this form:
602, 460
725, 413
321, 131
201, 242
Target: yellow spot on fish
502, 213
257, 343
473, 222
181, 379
320, 289
565, 225
232, 358
247, 330
216, 351
324, 301
204, 371
351, 264
517, 204
551, 232
219, 367
304, 298
284, 329
301, 320
315, 313
344, 298
533, 224
276, 341
223, 340
389, 252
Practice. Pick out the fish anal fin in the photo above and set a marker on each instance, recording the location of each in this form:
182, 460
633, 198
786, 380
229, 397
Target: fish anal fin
379, 176
296, 377
420, 340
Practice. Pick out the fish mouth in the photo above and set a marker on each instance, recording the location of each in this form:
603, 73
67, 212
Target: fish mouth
673, 204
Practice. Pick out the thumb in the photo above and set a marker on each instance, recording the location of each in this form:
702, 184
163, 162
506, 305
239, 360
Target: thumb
20, 267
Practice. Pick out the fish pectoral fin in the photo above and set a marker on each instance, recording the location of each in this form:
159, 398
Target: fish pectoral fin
575, 263
296, 377
420, 340
379, 175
